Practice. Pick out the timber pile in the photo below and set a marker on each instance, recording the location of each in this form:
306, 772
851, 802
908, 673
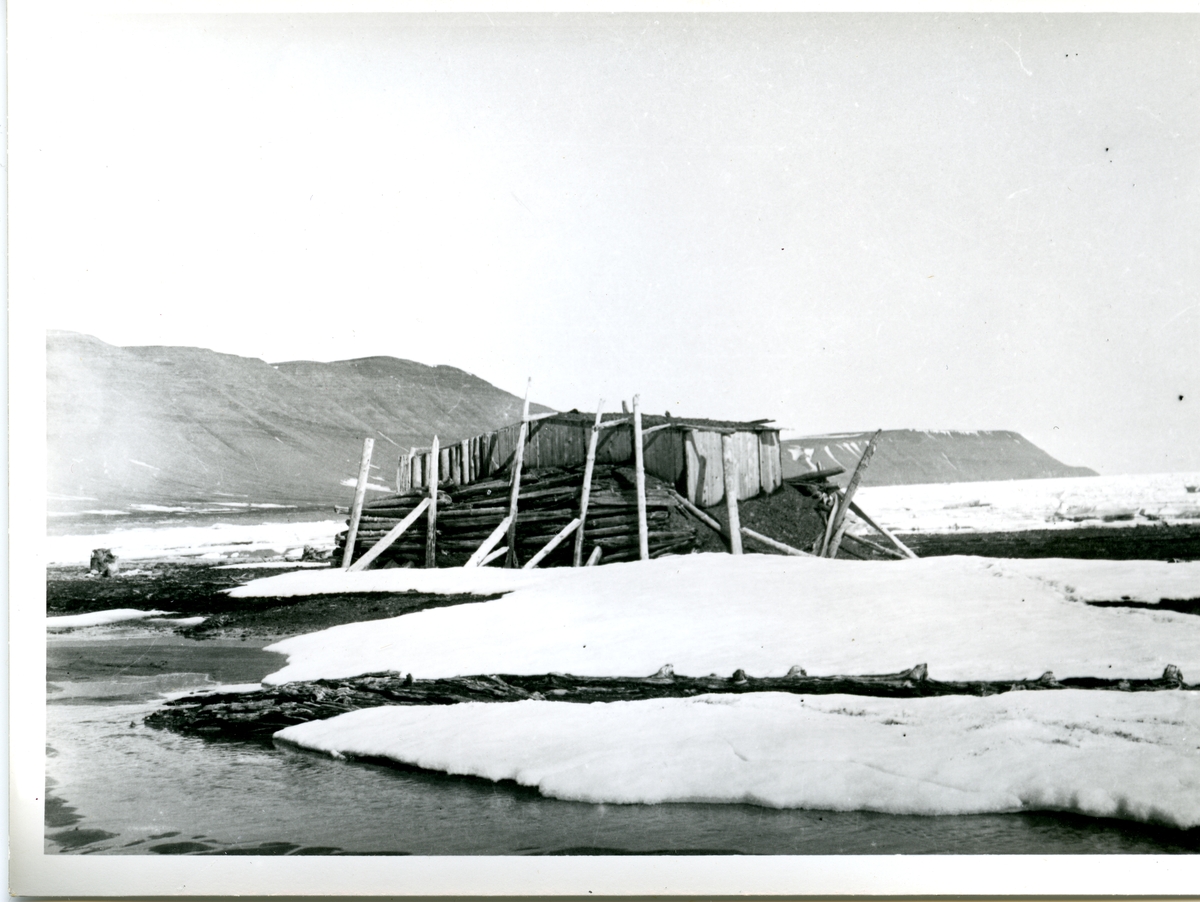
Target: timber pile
256, 715
549, 500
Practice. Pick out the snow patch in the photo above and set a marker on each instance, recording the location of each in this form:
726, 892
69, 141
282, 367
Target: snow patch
99, 618
968, 618
1105, 754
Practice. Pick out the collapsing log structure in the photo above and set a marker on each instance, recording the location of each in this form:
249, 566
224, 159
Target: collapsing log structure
530, 495
473, 521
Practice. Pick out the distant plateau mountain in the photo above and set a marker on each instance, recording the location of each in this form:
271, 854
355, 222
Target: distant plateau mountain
913, 457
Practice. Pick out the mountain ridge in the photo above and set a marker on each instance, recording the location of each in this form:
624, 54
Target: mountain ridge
159, 424
154, 423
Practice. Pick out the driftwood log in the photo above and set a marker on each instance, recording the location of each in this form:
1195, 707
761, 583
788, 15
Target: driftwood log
257, 715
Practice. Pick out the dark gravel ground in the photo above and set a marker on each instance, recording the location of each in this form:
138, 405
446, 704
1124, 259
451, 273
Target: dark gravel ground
190, 589
1114, 543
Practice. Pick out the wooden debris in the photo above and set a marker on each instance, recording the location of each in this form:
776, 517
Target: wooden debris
257, 715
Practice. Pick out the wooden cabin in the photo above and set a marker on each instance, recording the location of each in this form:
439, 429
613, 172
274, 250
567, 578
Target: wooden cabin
684, 452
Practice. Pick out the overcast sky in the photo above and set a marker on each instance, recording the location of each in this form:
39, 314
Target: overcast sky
843, 223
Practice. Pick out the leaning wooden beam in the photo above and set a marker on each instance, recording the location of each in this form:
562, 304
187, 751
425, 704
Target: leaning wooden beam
639, 472
518, 459
594, 557
431, 521
609, 424
839, 527
697, 513
393, 534
541, 416
729, 459
883, 530
552, 544
499, 552
659, 428
588, 468
874, 546
771, 543
360, 492
480, 557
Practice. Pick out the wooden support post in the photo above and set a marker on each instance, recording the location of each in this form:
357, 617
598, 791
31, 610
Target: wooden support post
731, 493
464, 462
594, 557
431, 521
829, 525
518, 459
552, 544
639, 470
393, 534
883, 530
772, 543
360, 492
839, 527
588, 467
481, 553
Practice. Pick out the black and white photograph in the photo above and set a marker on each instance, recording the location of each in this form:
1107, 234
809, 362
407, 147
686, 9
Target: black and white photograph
683, 452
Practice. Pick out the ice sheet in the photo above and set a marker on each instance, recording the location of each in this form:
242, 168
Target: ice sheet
1106, 754
1035, 503
968, 618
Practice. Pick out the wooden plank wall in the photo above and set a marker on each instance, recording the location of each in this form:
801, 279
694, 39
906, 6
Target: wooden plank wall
745, 448
770, 464
664, 455
705, 472
692, 457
